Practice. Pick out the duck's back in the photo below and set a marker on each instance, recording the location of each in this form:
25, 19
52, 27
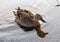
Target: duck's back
25, 20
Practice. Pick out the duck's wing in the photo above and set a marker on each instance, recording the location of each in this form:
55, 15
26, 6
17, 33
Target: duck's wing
25, 20
29, 13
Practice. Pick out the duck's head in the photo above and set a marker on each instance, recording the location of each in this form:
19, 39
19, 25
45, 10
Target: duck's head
39, 17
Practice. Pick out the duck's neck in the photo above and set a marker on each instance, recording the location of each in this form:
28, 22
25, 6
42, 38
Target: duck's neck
35, 19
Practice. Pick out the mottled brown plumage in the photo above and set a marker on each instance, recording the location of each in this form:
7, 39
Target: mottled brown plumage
26, 20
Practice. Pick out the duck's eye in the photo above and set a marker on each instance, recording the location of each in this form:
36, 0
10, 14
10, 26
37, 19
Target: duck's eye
26, 11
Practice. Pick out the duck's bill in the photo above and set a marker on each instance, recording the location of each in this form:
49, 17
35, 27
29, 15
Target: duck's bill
43, 20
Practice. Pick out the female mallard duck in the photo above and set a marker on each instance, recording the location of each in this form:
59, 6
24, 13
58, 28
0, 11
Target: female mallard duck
26, 20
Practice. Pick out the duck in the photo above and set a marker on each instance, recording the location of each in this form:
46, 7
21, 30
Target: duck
28, 21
